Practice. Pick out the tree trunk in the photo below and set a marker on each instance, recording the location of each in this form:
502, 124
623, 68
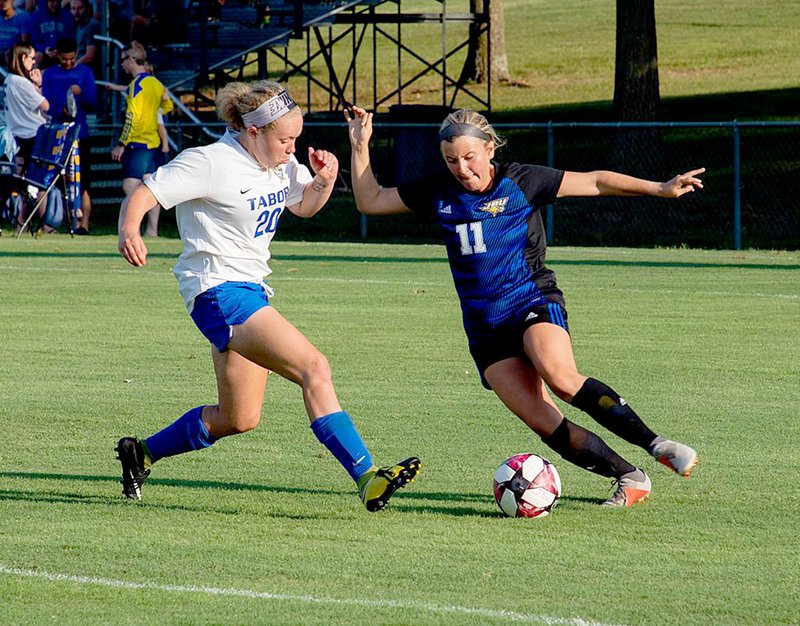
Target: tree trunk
637, 151
476, 65
636, 94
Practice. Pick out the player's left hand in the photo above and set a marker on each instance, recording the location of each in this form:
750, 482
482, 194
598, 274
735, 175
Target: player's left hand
681, 184
132, 248
324, 164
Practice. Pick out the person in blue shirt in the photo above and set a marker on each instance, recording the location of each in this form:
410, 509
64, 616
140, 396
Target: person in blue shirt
50, 23
514, 314
15, 28
68, 77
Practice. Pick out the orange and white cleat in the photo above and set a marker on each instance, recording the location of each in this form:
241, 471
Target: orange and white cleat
631, 488
678, 457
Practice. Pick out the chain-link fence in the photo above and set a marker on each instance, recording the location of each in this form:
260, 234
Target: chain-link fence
751, 195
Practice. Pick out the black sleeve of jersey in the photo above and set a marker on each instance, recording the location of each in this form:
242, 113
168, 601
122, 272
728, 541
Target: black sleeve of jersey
420, 195
540, 184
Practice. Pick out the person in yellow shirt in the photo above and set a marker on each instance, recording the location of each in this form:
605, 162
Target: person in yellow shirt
139, 146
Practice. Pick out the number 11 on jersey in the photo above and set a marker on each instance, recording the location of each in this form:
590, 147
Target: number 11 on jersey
477, 235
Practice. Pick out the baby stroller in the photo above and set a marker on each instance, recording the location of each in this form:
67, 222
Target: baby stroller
54, 158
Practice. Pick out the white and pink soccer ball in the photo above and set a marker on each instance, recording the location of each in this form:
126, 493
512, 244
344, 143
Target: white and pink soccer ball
526, 485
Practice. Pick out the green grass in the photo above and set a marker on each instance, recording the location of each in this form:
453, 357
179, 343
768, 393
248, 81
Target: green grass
703, 344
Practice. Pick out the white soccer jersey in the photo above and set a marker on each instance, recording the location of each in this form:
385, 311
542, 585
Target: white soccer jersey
227, 209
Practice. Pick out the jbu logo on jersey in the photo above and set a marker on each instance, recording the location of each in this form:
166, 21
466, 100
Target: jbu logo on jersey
270, 208
495, 206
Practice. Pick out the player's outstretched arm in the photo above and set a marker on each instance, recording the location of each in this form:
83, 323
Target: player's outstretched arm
605, 183
131, 213
371, 198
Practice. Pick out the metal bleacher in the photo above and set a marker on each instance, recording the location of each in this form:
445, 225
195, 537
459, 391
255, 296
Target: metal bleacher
242, 40
225, 46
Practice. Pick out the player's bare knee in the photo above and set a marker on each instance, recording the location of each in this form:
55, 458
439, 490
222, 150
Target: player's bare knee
317, 371
226, 423
564, 384
542, 419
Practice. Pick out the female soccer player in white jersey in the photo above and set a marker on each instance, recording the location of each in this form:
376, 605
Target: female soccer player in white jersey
228, 197
514, 314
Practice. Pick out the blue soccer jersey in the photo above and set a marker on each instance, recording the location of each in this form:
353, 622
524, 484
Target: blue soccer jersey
495, 240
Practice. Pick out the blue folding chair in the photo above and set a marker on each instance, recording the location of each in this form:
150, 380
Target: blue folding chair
54, 157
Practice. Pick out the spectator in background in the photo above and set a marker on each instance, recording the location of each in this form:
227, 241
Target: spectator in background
14, 28
86, 27
58, 81
163, 135
120, 14
139, 144
161, 22
26, 107
49, 24
29, 6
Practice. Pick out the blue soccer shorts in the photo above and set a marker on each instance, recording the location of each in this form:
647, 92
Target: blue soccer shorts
219, 309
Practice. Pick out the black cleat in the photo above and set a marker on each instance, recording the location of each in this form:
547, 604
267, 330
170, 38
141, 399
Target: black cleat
131, 456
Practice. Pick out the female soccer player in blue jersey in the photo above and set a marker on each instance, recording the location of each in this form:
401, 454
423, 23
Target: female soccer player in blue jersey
228, 197
514, 314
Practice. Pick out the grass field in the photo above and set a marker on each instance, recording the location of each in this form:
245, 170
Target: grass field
266, 527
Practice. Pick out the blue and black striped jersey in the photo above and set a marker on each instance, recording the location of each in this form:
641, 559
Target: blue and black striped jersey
495, 240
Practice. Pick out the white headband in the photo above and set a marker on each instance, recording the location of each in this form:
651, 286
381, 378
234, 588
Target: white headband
269, 111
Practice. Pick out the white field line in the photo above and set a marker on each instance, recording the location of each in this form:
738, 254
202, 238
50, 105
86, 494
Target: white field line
367, 281
261, 595
721, 294
289, 279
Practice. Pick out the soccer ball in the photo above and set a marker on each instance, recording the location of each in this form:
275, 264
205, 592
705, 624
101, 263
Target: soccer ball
526, 485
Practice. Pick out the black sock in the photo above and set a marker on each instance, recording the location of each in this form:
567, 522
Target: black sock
585, 449
608, 409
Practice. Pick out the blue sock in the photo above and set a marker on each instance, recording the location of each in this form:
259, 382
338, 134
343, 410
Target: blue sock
338, 433
185, 434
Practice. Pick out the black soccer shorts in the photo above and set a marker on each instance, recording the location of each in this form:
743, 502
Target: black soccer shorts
505, 341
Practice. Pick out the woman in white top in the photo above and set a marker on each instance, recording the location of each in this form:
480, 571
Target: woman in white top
26, 107
228, 197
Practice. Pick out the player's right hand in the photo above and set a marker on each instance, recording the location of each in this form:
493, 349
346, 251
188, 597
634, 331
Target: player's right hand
117, 152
